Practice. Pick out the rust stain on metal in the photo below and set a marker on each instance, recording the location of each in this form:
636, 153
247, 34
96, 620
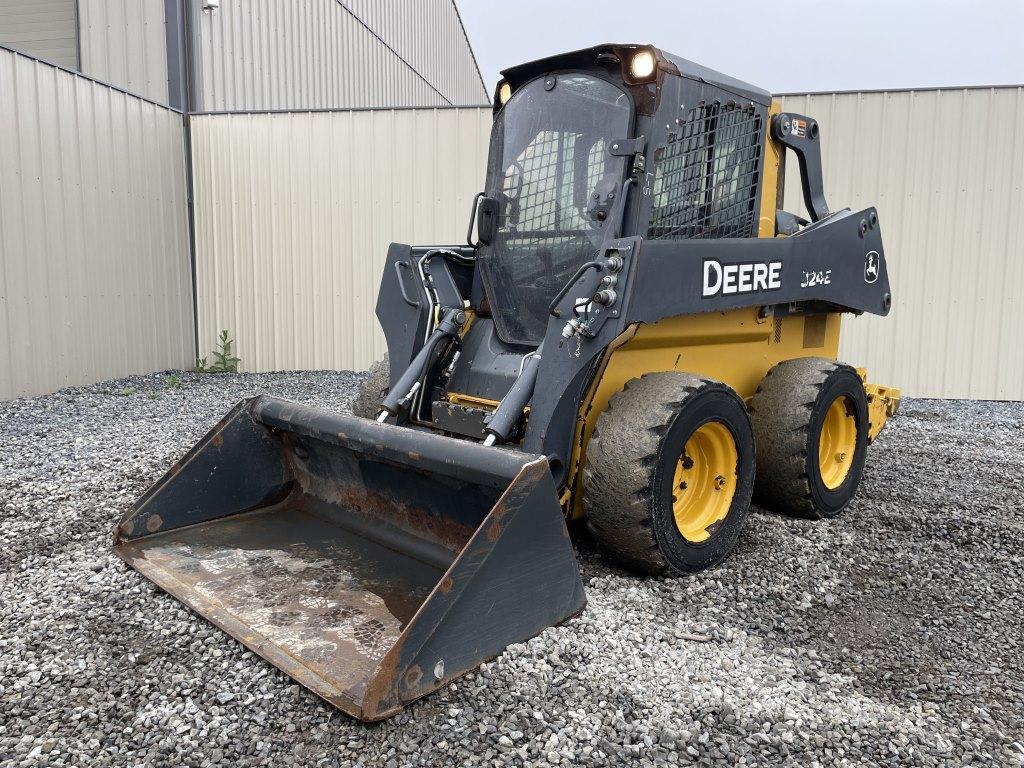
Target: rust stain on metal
379, 696
445, 531
218, 440
446, 584
154, 523
413, 676
494, 530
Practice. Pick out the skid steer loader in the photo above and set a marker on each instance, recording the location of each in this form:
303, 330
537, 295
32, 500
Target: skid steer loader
635, 335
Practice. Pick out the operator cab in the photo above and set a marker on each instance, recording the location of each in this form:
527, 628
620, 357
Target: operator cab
566, 173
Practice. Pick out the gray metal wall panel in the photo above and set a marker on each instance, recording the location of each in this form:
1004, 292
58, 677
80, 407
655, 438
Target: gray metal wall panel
429, 35
95, 280
307, 54
123, 42
293, 225
44, 29
945, 168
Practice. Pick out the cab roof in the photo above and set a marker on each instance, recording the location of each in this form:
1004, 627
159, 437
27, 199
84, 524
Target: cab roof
588, 57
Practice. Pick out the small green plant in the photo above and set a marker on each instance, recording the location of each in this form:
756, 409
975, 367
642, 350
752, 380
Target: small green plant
127, 392
173, 381
224, 360
152, 394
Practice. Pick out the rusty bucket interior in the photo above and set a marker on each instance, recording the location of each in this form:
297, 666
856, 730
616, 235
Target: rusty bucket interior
372, 563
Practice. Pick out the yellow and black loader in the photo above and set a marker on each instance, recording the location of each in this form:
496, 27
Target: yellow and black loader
635, 334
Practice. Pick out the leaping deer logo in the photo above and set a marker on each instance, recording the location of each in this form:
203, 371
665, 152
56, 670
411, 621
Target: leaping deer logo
871, 267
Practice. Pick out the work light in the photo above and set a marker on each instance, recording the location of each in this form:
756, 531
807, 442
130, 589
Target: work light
504, 92
641, 66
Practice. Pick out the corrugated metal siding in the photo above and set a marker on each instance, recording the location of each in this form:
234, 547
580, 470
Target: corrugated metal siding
94, 259
41, 28
306, 54
293, 224
124, 43
946, 171
292, 228
429, 35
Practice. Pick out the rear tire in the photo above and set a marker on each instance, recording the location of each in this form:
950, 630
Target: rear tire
669, 473
372, 390
810, 422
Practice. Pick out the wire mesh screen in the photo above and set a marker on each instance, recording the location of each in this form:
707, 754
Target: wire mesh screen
542, 182
706, 178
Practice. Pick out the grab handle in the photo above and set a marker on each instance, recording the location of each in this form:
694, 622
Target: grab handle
553, 309
401, 284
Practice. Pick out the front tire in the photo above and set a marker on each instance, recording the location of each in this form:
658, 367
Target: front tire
810, 418
669, 473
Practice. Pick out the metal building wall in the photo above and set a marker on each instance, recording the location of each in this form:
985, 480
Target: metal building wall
124, 43
45, 29
430, 36
307, 54
946, 170
94, 258
292, 223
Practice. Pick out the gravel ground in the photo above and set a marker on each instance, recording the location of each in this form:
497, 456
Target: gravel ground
890, 636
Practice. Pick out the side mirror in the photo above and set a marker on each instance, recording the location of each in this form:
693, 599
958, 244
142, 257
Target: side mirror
487, 220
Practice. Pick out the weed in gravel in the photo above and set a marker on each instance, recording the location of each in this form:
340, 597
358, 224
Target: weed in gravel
224, 360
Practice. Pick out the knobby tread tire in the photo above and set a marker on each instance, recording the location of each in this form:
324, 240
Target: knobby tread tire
372, 390
622, 469
782, 412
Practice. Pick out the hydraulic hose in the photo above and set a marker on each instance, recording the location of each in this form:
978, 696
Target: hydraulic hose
506, 415
409, 381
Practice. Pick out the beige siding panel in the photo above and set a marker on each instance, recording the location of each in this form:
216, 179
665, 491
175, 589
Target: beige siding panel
124, 43
300, 54
44, 29
293, 224
429, 35
95, 280
946, 170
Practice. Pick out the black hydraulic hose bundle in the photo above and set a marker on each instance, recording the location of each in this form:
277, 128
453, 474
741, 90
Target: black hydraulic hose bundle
407, 384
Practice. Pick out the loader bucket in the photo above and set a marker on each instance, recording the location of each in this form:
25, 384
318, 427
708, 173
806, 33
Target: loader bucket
370, 562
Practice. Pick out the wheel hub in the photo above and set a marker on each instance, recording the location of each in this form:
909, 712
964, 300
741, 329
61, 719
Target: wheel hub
705, 481
837, 443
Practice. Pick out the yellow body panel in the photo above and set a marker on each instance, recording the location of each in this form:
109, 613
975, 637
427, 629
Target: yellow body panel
736, 347
883, 402
770, 179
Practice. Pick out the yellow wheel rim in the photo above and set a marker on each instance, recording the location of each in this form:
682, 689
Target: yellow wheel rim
705, 481
837, 443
